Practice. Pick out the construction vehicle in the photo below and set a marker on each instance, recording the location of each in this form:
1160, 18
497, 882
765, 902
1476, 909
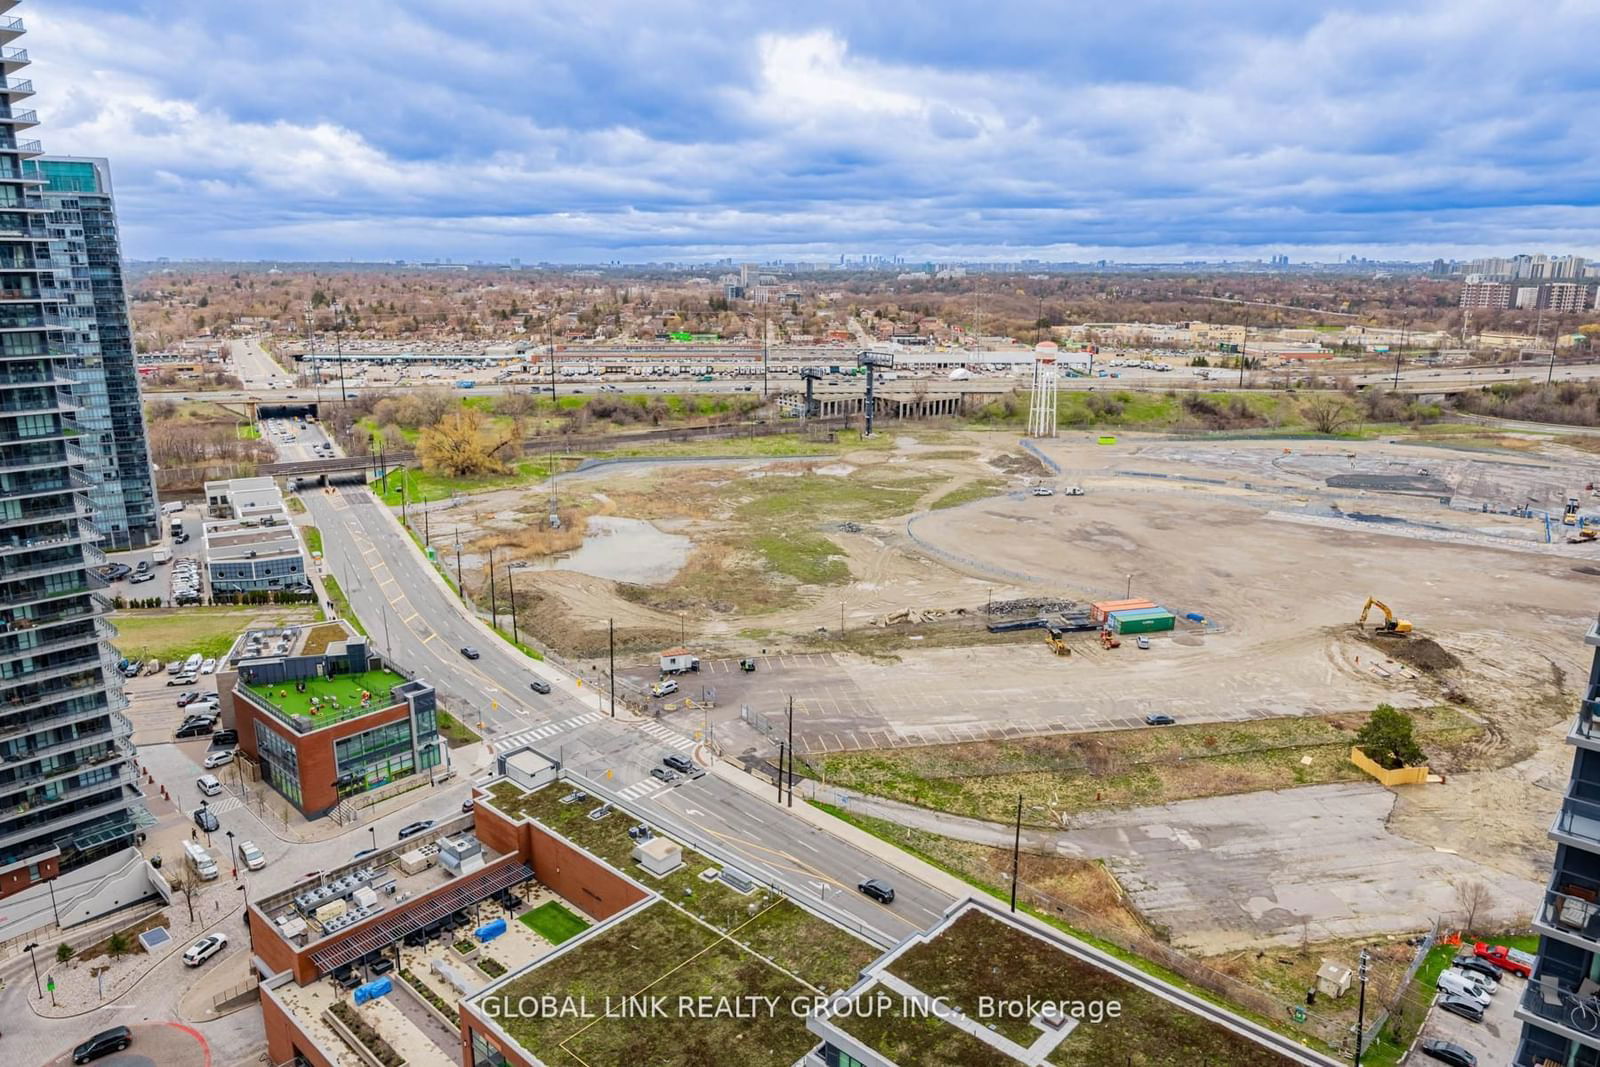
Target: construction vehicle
1391, 625
1053, 638
1570, 516
1109, 640
1585, 534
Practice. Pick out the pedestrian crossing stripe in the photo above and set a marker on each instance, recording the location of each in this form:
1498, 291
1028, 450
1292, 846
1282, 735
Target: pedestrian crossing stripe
639, 790
668, 736
539, 733
221, 806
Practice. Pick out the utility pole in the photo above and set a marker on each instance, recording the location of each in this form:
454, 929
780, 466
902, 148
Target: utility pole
511, 585
1361, 1005
338, 347
1016, 856
550, 335
1244, 347
461, 581
763, 352
1555, 336
791, 752
611, 636
781, 753
494, 610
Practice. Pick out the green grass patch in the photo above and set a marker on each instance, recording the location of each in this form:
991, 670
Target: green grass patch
553, 921
420, 486
341, 604
807, 558
169, 634
331, 699
771, 446
978, 490
313, 538
455, 732
249, 431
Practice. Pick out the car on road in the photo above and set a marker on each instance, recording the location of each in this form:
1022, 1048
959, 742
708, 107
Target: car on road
103, 1044
253, 857
681, 764
204, 949
206, 819
469, 652
878, 890
663, 689
1447, 1052
1143, 641
1462, 1006
410, 829
539, 685
142, 576
661, 774
1159, 720
1507, 959
219, 759
1043, 490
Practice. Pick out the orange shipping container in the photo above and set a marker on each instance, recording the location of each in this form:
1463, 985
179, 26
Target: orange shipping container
1098, 611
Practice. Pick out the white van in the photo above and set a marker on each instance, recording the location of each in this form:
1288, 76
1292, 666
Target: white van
1462, 985
200, 861
162, 554
171, 506
208, 784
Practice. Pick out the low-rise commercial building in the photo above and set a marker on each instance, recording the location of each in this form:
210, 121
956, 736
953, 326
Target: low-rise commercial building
250, 544
323, 718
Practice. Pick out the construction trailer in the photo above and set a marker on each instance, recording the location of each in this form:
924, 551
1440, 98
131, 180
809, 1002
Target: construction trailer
678, 661
1142, 621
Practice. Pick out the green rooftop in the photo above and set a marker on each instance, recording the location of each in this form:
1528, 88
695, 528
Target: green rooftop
329, 700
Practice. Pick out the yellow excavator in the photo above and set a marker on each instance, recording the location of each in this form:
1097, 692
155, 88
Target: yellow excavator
1391, 625
1053, 638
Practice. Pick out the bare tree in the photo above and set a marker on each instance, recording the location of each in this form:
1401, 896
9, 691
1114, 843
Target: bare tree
186, 884
1474, 899
1329, 413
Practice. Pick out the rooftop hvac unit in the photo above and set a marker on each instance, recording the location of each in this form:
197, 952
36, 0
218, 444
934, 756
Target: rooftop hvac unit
738, 879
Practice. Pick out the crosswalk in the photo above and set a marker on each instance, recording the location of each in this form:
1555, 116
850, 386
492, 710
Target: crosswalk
640, 790
227, 804
667, 736
540, 733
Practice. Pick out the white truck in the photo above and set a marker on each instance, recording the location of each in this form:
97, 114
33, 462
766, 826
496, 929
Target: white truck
678, 661
162, 554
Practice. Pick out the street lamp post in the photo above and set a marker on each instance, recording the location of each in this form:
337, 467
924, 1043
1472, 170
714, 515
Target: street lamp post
28, 948
494, 608
338, 347
233, 857
373, 830
511, 587
1361, 1005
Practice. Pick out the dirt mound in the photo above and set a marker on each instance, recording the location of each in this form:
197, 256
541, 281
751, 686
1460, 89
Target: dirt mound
1587, 570
1423, 653
1012, 463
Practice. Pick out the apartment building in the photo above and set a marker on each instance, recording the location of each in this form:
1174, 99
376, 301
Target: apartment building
68, 784
86, 255
1558, 1008
1493, 296
250, 543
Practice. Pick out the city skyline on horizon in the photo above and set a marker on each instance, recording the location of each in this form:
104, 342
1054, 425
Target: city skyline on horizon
578, 136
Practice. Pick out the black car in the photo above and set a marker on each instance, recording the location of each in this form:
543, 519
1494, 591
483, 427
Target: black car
1451, 1054
469, 652
1467, 1009
225, 737
539, 685
1159, 720
206, 819
878, 890
681, 764
103, 1044
411, 829
195, 728
1466, 961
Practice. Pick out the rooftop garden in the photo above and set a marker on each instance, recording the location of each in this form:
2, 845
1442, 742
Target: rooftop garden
826, 956
330, 700
659, 951
980, 956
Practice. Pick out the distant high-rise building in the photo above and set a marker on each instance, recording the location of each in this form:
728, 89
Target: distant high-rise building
86, 258
1483, 294
68, 784
1566, 296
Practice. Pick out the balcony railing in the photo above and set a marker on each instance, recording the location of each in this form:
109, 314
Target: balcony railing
11, 24
128, 798
1578, 818
1574, 1009
17, 86
17, 56
11, 808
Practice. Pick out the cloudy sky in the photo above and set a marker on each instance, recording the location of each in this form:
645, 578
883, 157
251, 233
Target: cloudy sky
587, 131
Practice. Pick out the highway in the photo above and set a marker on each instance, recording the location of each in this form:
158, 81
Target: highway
411, 615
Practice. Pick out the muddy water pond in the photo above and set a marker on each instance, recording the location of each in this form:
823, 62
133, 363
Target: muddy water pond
624, 550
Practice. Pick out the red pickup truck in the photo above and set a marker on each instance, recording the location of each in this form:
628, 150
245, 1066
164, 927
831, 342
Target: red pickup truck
1507, 959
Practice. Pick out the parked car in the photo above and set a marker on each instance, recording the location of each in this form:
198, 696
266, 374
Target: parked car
664, 688
661, 774
681, 764
469, 652
103, 1044
1159, 720
209, 666
411, 829
1489, 982
194, 728
204, 949
539, 685
878, 890
225, 737
1507, 959
1457, 984
1466, 961
253, 857
142, 576
1447, 1052
219, 759
206, 819
208, 784
1467, 1009
1143, 641
1043, 490
185, 699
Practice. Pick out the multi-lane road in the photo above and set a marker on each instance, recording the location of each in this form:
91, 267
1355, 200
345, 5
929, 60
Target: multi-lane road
411, 614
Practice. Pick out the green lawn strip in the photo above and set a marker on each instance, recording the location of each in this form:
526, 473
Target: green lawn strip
330, 698
422, 485
770, 446
978, 490
1124, 768
900, 838
416, 539
553, 921
313, 538
249, 431
169, 634
341, 604
455, 732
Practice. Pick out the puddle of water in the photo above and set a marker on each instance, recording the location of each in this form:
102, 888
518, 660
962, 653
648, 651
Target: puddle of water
624, 550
